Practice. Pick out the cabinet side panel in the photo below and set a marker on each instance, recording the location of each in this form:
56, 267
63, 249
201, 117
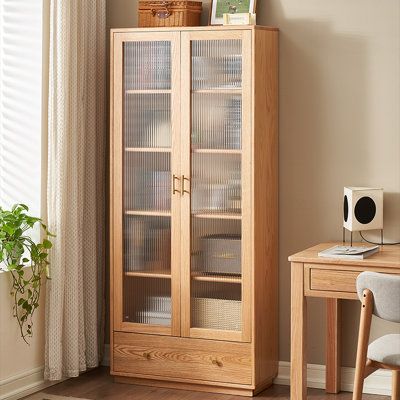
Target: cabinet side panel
265, 184
111, 176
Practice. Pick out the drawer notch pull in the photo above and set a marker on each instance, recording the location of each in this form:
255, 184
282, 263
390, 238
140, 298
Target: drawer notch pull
217, 362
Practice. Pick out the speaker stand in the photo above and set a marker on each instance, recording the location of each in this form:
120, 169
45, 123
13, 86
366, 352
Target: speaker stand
351, 237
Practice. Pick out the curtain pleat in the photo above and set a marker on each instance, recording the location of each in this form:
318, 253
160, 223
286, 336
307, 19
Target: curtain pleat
76, 187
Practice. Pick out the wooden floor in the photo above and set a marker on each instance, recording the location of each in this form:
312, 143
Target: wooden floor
98, 384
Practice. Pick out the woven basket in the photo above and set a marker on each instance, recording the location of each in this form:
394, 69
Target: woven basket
217, 314
169, 13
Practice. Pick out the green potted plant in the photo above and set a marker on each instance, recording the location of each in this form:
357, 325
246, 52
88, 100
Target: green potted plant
26, 261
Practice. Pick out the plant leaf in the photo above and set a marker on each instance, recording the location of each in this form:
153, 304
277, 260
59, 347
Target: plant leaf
47, 244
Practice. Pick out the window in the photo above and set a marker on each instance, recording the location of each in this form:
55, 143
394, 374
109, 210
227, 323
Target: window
21, 103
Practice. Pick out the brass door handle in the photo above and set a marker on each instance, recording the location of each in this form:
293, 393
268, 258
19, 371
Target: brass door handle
183, 185
174, 189
218, 363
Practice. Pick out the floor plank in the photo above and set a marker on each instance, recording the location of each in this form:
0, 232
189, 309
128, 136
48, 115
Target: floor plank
99, 385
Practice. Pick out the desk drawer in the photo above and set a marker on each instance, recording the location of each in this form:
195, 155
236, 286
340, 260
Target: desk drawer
175, 357
330, 281
333, 281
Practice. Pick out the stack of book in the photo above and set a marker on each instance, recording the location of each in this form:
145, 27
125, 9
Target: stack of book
349, 252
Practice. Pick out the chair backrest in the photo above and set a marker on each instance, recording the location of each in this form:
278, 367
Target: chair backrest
386, 291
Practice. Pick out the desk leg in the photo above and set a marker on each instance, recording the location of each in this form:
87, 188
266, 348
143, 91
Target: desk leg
333, 345
298, 359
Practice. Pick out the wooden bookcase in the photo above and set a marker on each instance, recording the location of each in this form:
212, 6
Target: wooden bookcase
194, 210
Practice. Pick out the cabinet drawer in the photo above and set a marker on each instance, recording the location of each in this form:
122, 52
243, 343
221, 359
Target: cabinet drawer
175, 357
333, 280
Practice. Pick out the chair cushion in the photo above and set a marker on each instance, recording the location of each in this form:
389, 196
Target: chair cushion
386, 291
386, 349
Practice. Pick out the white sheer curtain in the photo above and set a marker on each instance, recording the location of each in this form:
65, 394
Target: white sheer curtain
77, 117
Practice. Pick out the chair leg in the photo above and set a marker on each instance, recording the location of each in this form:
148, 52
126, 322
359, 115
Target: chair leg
362, 347
396, 385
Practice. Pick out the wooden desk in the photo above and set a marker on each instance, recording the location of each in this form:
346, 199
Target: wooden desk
334, 280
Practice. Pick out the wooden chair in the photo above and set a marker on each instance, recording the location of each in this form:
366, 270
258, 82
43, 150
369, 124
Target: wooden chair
380, 296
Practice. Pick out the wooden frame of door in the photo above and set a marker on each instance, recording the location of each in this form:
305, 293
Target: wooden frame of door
117, 181
247, 190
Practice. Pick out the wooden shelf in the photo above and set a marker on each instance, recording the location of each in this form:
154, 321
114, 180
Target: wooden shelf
218, 91
148, 91
212, 215
148, 149
217, 151
149, 213
149, 274
216, 278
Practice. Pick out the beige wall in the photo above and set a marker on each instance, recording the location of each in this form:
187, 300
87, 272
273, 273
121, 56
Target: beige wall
16, 356
339, 125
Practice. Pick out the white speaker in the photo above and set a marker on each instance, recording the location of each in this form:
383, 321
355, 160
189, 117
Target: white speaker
362, 208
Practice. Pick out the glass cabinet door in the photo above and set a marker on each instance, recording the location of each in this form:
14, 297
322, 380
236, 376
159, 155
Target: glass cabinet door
217, 161
148, 212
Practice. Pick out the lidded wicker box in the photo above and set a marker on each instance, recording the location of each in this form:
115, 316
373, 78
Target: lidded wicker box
222, 254
169, 13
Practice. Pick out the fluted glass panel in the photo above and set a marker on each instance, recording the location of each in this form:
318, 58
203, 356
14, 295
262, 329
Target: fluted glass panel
216, 121
147, 141
216, 64
147, 65
148, 120
216, 189
147, 300
147, 246
216, 183
147, 181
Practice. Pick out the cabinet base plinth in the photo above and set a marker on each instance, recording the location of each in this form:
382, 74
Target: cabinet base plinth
247, 392
262, 386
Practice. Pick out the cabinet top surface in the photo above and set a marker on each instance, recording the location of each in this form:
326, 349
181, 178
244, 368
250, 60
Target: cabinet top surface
195, 28
388, 256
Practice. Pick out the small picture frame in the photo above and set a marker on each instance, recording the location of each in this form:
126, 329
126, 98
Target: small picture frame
221, 7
